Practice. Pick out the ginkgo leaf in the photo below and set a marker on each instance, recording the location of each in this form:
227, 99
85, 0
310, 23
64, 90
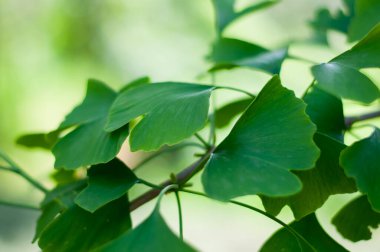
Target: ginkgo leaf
89, 139
79, 230
229, 53
225, 114
106, 182
366, 16
341, 76
39, 140
272, 137
311, 230
361, 161
171, 112
225, 11
350, 226
326, 179
326, 111
151, 235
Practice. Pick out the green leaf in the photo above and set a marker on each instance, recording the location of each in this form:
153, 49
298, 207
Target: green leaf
39, 140
225, 12
310, 229
64, 194
136, 83
228, 53
326, 111
225, 114
49, 212
272, 137
354, 220
78, 230
151, 235
93, 144
172, 112
361, 161
366, 17
346, 82
326, 179
107, 182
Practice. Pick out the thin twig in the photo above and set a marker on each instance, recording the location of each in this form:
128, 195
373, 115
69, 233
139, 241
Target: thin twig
237, 90
180, 221
350, 120
17, 205
204, 142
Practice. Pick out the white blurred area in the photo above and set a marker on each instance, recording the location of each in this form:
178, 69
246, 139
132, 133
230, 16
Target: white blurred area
46, 56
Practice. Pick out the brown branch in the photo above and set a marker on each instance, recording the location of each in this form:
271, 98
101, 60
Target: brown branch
350, 120
181, 178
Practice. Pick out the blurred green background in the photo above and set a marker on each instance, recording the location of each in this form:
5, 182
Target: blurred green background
48, 49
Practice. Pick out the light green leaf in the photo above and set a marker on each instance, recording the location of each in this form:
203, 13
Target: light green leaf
107, 182
89, 143
346, 82
326, 179
326, 111
136, 83
311, 230
355, 219
225, 114
366, 16
151, 235
229, 53
172, 112
225, 11
361, 161
78, 230
272, 137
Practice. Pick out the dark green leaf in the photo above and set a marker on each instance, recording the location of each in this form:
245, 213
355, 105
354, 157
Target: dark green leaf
172, 112
326, 179
78, 230
225, 11
49, 212
89, 143
225, 114
364, 54
366, 16
229, 53
346, 82
64, 194
326, 111
272, 137
39, 140
311, 230
151, 235
106, 183
354, 220
362, 162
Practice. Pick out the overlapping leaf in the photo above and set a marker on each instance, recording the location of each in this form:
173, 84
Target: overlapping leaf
151, 235
106, 182
310, 229
341, 76
89, 143
79, 230
229, 53
272, 137
171, 112
366, 16
225, 11
355, 219
39, 140
326, 179
361, 161
225, 114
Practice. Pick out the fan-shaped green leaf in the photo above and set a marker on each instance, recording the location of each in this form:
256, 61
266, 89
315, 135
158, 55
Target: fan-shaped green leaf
39, 140
326, 179
151, 235
346, 82
106, 183
225, 114
311, 230
79, 230
354, 220
172, 112
272, 137
366, 16
362, 162
225, 11
229, 53
89, 143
